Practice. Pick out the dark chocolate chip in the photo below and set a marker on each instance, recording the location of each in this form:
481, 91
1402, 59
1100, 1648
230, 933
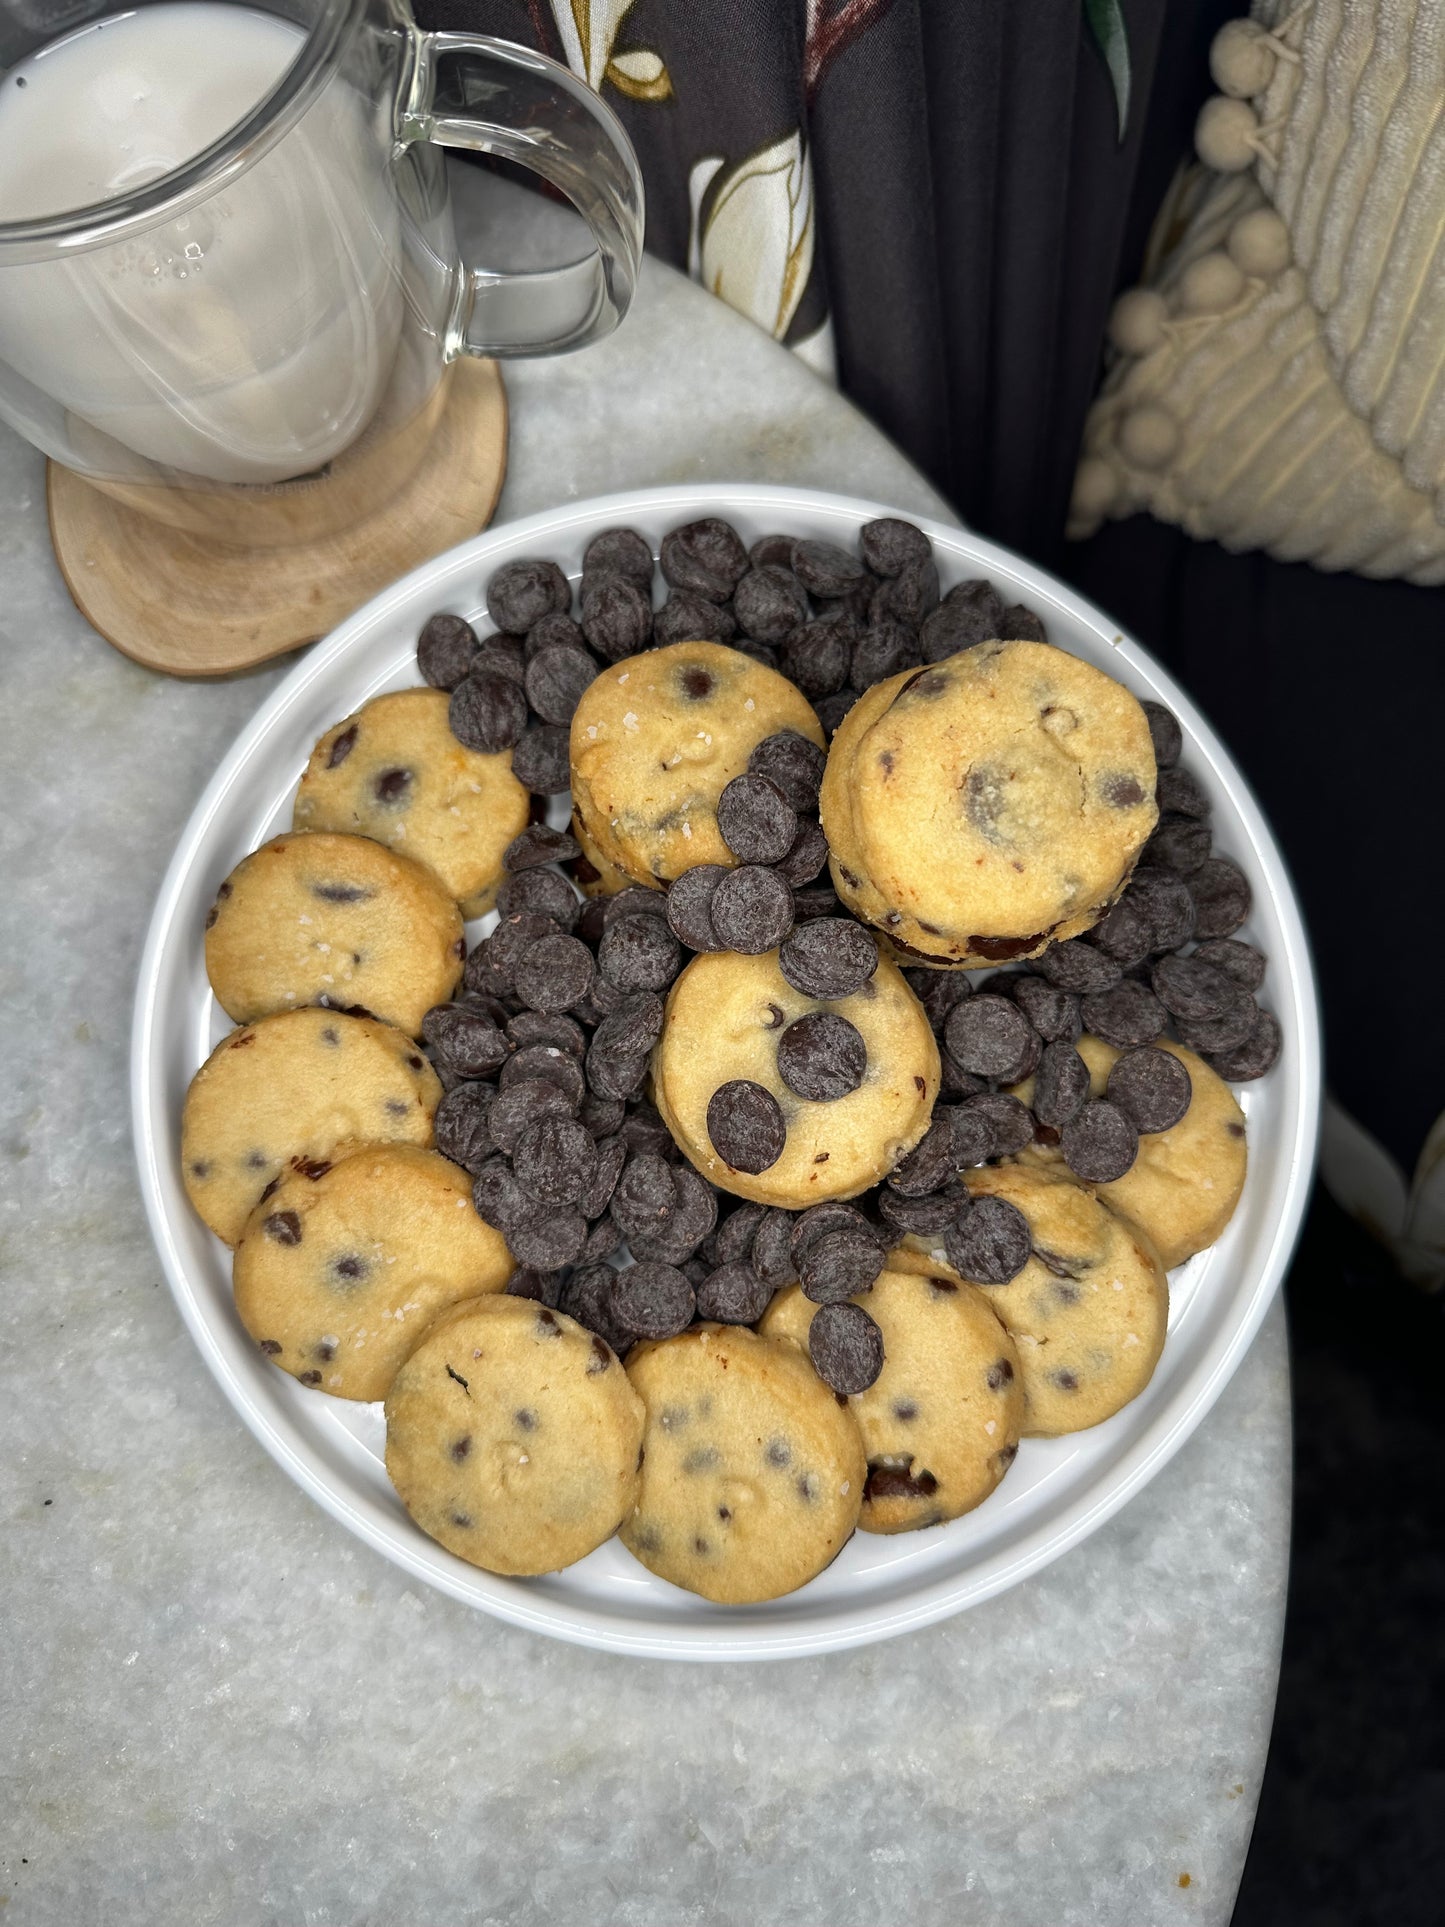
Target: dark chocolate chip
817, 655
587, 1297
1151, 1087
1054, 1013
1224, 1032
539, 893
1236, 959
691, 1218
1011, 1121
925, 1217
891, 545
1193, 989
990, 1243
522, 592
1182, 794
550, 1241
603, 1238
973, 1133
500, 1201
1164, 901
462, 1131
733, 1295
639, 953
619, 551
771, 1254
829, 959
1168, 738
746, 1126
830, 710
706, 557
1179, 844
825, 569
752, 910
886, 1481
971, 612
555, 630
390, 786
840, 1263
991, 1037
283, 1227
341, 748
930, 1164
557, 678
1061, 1085
755, 819
907, 597
445, 650
1257, 1053
1019, 624
805, 859
938, 991
1128, 1016
616, 619
465, 1039
522, 1106
814, 902
846, 1348
689, 906
533, 1027
687, 617
822, 1057
555, 975
541, 761
503, 656
545, 1064
555, 1160
769, 603
794, 764
1124, 933
1100, 1143
652, 1300
1222, 897
487, 713
1079, 967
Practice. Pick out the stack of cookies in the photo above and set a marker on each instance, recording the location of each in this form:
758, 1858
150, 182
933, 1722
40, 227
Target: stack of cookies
711, 1197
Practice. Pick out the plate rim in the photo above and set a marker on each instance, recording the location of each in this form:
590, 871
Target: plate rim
1039, 1544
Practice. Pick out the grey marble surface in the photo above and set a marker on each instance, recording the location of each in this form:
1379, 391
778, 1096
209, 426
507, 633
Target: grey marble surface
216, 1706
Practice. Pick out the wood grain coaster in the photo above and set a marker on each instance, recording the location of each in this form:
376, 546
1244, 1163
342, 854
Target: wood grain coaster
184, 601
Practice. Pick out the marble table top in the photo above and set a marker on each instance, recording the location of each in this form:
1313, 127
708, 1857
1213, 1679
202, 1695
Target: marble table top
218, 1707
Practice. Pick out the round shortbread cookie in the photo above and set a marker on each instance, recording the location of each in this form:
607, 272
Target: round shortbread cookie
285, 1092
395, 772
753, 1473
990, 804
1089, 1310
323, 918
725, 1020
513, 1436
343, 1266
941, 1422
655, 741
1182, 1188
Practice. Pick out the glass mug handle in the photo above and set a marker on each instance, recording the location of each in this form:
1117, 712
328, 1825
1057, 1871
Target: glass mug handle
493, 97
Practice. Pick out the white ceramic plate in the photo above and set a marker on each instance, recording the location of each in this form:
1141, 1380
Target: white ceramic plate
1058, 1490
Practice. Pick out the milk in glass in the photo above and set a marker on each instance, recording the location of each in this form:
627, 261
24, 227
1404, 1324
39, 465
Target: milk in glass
248, 339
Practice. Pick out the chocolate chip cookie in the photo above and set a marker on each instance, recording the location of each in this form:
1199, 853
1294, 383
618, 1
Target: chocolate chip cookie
941, 1422
753, 1474
1182, 1187
990, 804
513, 1436
344, 1265
286, 1091
1089, 1308
395, 772
785, 1096
656, 740
322, 918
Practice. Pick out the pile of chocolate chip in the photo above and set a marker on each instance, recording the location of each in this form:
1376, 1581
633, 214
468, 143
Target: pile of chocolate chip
544, 1053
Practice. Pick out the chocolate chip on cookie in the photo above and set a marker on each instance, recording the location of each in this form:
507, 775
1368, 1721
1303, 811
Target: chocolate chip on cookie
822, 1057
989, 1243
746, 1126
757, 822
1061, 1085
839, 1264
689, 906
1099, 1143
846, 1348
829, 959
1151, 1087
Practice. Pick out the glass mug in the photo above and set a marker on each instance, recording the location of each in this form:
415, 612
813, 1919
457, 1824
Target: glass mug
253, 344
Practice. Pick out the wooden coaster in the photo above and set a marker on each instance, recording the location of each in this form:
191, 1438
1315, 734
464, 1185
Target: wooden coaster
190, 605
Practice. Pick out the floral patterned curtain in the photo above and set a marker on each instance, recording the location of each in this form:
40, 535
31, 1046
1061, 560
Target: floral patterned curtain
925, 199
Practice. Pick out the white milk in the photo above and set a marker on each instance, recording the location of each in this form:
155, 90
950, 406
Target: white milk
248, 340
